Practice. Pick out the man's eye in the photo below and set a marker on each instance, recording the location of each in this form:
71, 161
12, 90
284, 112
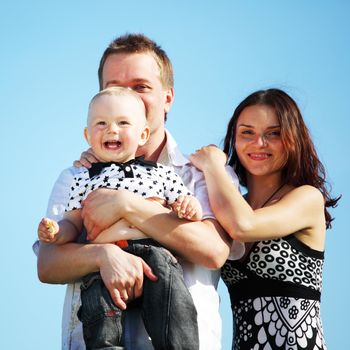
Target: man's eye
140, 88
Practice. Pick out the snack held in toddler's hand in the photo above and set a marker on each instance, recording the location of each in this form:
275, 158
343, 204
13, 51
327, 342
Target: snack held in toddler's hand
51, 227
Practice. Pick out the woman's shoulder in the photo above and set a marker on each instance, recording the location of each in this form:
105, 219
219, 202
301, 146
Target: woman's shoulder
305, 192
306, 200
309, 200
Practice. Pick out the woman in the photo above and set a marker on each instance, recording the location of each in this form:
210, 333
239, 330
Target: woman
275, 288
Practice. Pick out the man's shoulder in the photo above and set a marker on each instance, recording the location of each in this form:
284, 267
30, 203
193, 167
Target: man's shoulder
70, 173
60, 191
188, 169
73, 171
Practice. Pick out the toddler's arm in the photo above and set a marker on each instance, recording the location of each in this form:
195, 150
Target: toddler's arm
119, 231
65, 231
48, 230
188, 207
122, 230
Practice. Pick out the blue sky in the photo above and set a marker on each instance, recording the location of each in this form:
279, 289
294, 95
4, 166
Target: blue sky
221, 52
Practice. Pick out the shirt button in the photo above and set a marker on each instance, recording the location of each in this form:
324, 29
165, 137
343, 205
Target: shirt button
127, 168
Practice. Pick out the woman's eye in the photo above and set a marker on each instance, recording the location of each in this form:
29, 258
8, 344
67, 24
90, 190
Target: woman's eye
274, 133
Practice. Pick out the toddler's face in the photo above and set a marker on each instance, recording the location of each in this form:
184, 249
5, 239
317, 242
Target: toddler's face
116, 127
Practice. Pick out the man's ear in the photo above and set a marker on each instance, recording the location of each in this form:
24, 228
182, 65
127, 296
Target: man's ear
87, 135
169, 99
144, 135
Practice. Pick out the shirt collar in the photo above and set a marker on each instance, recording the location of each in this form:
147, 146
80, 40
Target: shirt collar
171, 154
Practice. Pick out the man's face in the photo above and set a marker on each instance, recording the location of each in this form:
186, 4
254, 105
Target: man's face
140, 72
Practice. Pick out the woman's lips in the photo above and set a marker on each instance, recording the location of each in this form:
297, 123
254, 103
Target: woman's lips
259, 156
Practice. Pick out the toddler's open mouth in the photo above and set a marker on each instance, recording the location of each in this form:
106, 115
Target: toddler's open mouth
112, 145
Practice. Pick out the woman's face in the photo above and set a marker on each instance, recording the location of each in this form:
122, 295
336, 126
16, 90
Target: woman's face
258, 141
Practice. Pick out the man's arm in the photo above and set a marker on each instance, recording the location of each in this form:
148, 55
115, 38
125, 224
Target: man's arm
121, 272
201, 242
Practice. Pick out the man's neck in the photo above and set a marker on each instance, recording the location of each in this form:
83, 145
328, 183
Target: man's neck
152, 149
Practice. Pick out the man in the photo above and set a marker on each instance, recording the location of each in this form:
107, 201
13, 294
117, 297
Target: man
136, 62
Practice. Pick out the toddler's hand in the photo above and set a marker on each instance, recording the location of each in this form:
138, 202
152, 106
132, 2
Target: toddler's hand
47, 230
188, 207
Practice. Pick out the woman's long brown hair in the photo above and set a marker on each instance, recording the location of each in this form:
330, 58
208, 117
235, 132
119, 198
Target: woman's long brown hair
303, 166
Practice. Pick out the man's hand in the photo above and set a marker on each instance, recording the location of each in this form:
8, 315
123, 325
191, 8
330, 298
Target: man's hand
86, 159
122, 274
101, 209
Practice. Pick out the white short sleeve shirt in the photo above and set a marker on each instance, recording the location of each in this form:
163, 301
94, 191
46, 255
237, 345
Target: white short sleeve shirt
202, 282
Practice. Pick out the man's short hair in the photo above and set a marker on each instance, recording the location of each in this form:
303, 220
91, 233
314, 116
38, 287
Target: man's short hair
139, 43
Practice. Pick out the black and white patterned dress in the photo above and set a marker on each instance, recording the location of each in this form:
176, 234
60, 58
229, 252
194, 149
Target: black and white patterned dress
275, 296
